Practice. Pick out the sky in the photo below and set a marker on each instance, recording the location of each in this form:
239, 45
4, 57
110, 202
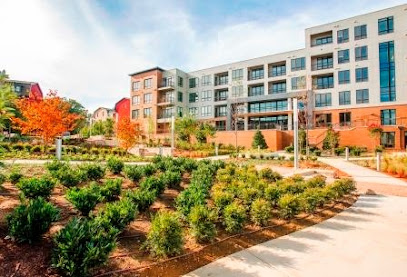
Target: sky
85, 49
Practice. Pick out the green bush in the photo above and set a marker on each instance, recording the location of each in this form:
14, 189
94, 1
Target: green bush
69, 177
36, 187
272, 194
15, 176
115, 165
84, 199
190, 197
153, 183
248, 195
317, 181
234, 217
269, 175
134, 173
111, 189
221, 199
56, 166
148, 170
202, 223
36, 149
143, 199
171, 179
311, 199
289, 149
92, 171
120, 213
3, 179
340, 187
165, 237
28, 222
260, 212
81, 245
289, 205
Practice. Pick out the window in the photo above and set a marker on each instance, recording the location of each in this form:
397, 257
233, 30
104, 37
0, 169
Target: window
361, 53
220, 111
278, 87
206, 95
193, 82
269, 106
193, 111
387, 72
135, 114
298, 83
193, 97
323, 100
257, 73
268, 122
277, 70
167, 82
180, 111
148, 83
220, 125
323, 40
362, 74
388, 117
148, 98
345, 119
298, 64
343, 35
344, 77
180, 81
206, 80
136, 85
323, 82
147, 112
136, 100
323, 120
343, 56
221, 95
387, 139
362, 96
386, 25
206, 111
167, 112
323, 63
344, 98
237, 74
237, 91
180, 96
360, 32
256, 90
221, 79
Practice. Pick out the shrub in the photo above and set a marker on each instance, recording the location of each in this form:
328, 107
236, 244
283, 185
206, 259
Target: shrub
134, 173
341, 187
165, 237
36, 187
120, 213
248, 195
289, 205
260, 212
269, 175
15, 176
289, 149
311, 199
189, 198
221, 199
259, 140
317, 181
28, 222
111, 189
84, 199
202, 223
3, 179
69, 177
171, 179
81, 245
18, 147
272, 194
149, 169
143, 199
153, 183
234, 216
92, 171
115, 165
36, 149
56, 166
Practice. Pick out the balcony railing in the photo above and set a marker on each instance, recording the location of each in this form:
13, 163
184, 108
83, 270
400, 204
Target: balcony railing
277, 91
166, 115
220, 98
167, 99
256, 77
267, 125
323, 65
277, 73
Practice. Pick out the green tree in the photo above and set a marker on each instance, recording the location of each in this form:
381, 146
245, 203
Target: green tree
204, 131
331, 140
302, 139
185, 127
79, 109
98, 128
7, 97
258, 140
109, 127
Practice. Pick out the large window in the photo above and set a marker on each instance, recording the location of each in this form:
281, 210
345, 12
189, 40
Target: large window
344, 98
343, 56
345, 119
298, 83
136, 100
136, 85
388, 117
360, 32
135, 114
387, 72
323, 40
206, 80
221, 95
206, 111
237, 91
323, 63
362, 74
269, 106
220, 125
167, 112
257, 73
180, 96
148, 98
180, 81
387, 139
343, 35
278, 87
323, 100
220, 111
386, 25
221, 79
193, 97
344, 77
256, 90
298, 64
193, 111
193, 82
180, 111
323, 82
361, 53
323, 120
148, 83
362, 96
147, 112
206, 95
237, 74
277, 70
268, 122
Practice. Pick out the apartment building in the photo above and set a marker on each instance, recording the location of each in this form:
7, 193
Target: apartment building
351, 74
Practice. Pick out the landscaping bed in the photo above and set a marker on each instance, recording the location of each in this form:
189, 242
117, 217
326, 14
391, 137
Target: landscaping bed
209, 209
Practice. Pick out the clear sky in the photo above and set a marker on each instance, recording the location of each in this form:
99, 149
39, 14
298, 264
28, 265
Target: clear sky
86, 49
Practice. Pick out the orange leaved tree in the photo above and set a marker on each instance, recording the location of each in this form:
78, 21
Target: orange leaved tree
46, 118
127, 132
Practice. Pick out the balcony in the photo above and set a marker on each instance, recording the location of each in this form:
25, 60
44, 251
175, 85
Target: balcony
322, 64
323, 82
321, 39
255, 73
221, 79
166, 100
166, 85
277, 69
221, 95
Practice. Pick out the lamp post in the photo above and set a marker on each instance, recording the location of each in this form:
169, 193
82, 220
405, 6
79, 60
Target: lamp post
172, 135
295, 115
